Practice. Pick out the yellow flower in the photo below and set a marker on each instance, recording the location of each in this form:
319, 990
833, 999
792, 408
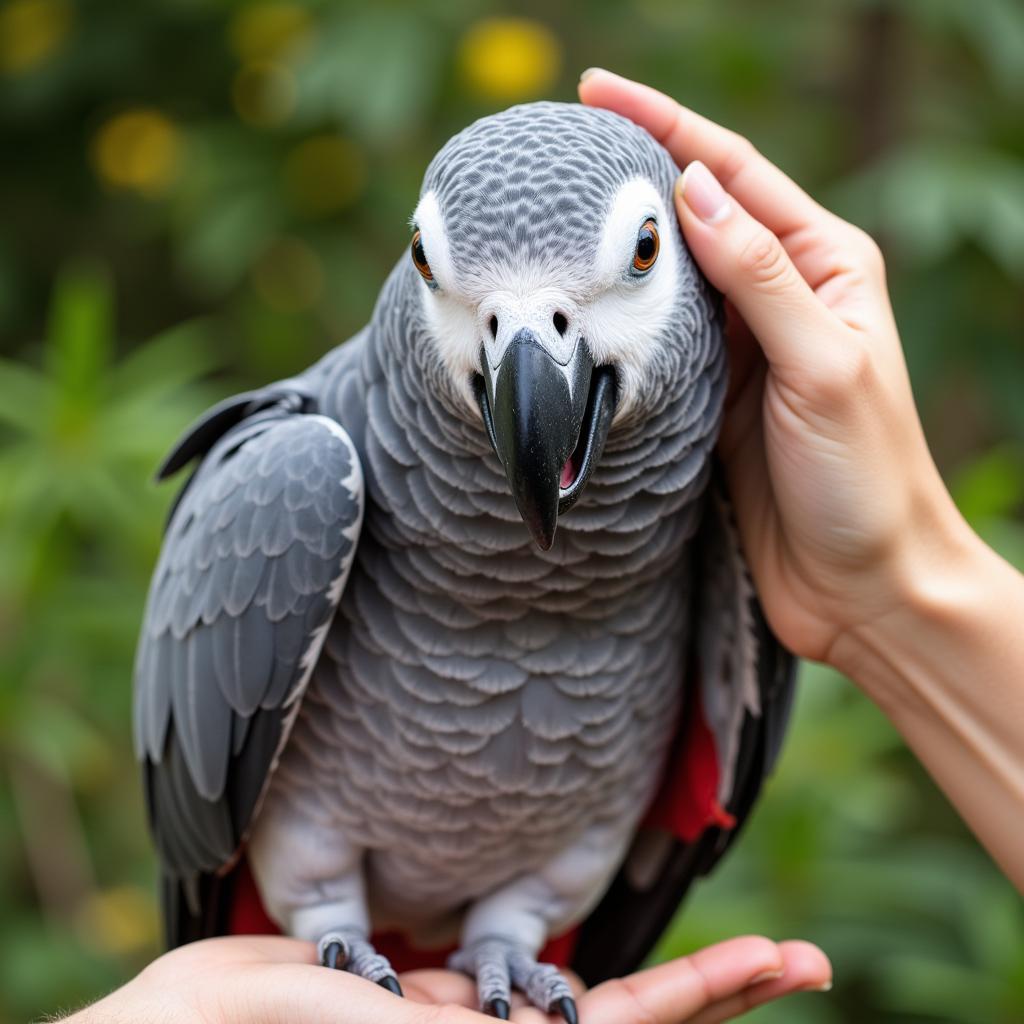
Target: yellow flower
138, 150
119, 920
323, 174
30, 32
264, 93
509, 59
264, 31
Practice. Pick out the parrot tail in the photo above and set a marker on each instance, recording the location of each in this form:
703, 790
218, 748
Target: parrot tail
195, 908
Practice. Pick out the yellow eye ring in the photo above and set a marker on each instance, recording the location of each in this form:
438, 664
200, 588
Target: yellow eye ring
647, 246
419, 258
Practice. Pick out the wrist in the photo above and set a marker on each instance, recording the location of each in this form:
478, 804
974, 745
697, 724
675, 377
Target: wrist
937, 580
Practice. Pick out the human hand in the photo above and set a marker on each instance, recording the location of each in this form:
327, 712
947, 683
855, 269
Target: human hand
839, 505
273, 980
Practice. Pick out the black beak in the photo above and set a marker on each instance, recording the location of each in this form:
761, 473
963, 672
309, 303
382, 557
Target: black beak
548, 423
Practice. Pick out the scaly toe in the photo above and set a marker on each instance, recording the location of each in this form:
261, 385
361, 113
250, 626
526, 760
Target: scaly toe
544, 986
348, 950
487, 962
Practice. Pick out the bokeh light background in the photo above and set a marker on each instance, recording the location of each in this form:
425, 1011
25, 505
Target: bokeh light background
202, 195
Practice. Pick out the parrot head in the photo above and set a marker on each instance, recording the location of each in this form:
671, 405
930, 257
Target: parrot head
557, 289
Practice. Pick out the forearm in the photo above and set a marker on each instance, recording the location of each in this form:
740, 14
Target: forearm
947, 667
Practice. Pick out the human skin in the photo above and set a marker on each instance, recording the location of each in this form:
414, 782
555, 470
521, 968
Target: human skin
860, 557
274, 980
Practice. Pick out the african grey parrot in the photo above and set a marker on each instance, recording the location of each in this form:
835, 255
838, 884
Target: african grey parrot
377, 711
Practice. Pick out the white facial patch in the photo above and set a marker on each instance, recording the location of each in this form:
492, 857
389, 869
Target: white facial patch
627, 316
451, 317
621, 314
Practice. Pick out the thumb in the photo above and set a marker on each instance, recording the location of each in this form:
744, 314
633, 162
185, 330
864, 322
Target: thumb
749, 265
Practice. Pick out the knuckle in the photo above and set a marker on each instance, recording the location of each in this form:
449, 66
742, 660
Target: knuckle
849, 376
631, 1000
740, 153
763, 260
869, 251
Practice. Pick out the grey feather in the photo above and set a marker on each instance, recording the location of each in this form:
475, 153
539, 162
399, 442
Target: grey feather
230, 618
478, 705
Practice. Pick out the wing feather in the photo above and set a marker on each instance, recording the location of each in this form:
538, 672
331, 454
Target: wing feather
252, 568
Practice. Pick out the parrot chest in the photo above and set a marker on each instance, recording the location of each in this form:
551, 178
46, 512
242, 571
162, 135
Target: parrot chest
478, 704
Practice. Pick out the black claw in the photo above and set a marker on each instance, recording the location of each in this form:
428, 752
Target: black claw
331, 954
566, 1006
498, 1008
391, 984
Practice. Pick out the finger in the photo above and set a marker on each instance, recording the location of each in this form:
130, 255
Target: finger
749, 265
672, 992
805, 969
768, 193
804, 965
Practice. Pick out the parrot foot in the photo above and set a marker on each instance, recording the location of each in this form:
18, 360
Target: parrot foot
500, 966
349, 951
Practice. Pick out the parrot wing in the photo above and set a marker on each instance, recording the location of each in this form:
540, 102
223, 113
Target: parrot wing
254, 560
734, 721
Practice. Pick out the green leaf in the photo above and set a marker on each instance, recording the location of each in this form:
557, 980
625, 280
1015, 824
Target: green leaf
373, 46
943, 988
80, 334
166, 363
927, 197
56, 737
992, 485
997, 29
24, 396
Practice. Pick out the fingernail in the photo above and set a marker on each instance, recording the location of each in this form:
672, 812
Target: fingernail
766, 976
826, 987
588, 72
702, 193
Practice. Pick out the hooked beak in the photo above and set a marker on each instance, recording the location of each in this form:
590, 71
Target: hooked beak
548, 423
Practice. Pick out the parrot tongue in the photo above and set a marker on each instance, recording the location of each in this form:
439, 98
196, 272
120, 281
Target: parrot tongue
573, 464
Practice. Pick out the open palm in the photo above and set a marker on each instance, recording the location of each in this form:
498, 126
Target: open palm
273, 980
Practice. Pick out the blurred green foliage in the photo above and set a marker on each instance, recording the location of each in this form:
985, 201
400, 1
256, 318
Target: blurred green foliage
200, 195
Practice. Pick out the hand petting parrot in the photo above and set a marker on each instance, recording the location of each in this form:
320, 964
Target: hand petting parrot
451, 651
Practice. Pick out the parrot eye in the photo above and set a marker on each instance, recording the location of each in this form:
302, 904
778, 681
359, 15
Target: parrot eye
419, 258
647, 245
